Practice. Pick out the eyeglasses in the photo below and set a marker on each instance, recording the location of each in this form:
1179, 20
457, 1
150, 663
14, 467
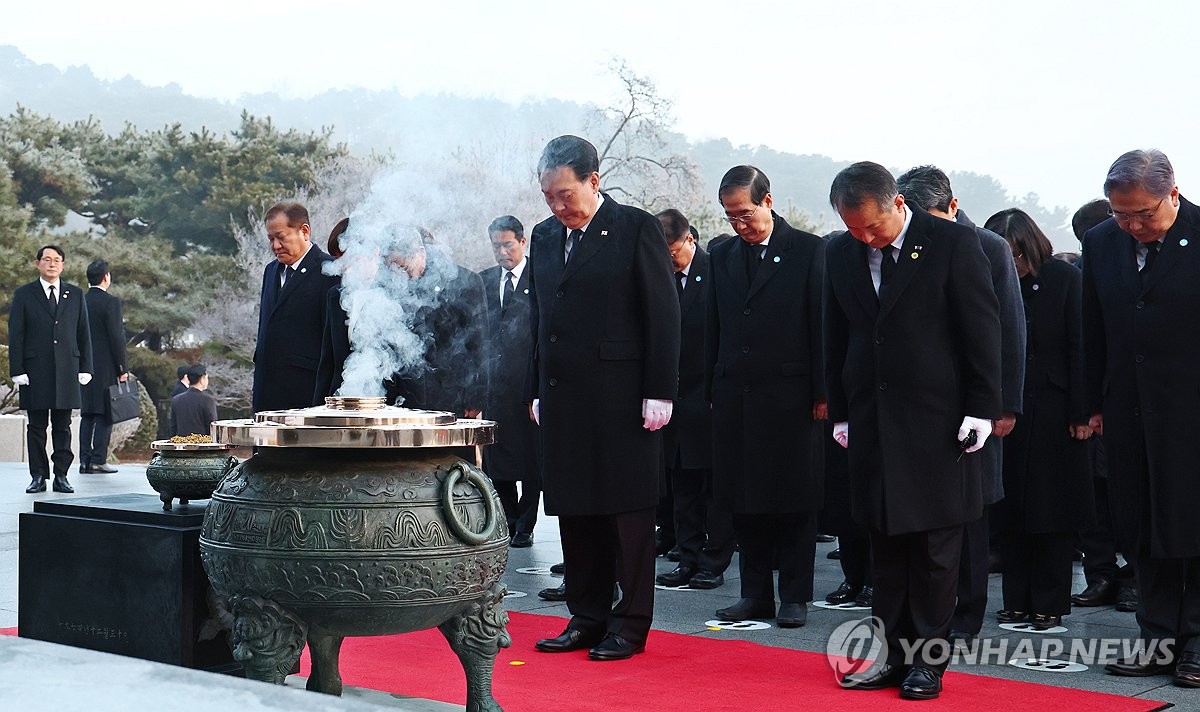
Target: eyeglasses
685, 243
743, 219
1140, 216
52, 260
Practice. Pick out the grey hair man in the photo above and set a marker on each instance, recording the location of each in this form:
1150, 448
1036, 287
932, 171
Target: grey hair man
928, 187
1141, 291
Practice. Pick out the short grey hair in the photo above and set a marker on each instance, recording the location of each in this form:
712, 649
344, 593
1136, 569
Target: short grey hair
1150, 171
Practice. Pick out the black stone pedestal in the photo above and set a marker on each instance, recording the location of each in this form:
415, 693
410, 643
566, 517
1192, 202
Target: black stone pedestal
119, 575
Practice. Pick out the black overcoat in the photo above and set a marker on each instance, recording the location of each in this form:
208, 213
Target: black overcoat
192, 413
51, 348
904, 369
1047, 483
290, 330
763, 355
451, 321
607, 337
687, 439
1140, 350
516, 454
108, 348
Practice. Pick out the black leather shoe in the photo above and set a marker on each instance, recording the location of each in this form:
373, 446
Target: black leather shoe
558, 568
747, 609
866, 597
836, 554
556, 593
921, 683
1127, 599
1007, 616
957, 636
1187, 671
1136, 667
614, 647
678, 577
874, 678
85, 469
706, 580
826, 538
1101, 592
1043, 622
673, 554
844, 594
792, 615
521, 540
37, 485
60, 484
571, 639
104, 469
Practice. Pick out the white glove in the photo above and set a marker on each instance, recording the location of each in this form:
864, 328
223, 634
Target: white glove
22, 380
85, 378
841, 433
982, 428
656, 413
536, 407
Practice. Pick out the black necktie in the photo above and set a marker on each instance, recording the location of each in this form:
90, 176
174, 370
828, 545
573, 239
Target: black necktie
509, 290
680, 278
283, 273
887, 267
53, 302
572, 240
754, 255
1151, 255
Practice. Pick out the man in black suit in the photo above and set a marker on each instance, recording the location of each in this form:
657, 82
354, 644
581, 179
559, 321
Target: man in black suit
516, 454
763, 357
181, 385
912, 345
193, 411
50, 356
606, 364
703, 533
108, 360
928, 188
291, 317
1141, 292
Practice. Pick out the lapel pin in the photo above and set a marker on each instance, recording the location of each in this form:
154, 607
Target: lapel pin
527, 291
698, 278
303, 270
917, 247
603, 233
1183, 242
1036, 287
776, 258
914, 255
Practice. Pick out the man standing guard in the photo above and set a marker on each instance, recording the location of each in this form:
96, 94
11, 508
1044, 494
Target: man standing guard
516, 456
703, 534
108, 360
912, 363
605, 372
767, 388
50, 356
1141, 292
291, 316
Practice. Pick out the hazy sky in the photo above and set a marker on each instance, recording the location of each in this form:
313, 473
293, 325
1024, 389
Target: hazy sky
1041, 94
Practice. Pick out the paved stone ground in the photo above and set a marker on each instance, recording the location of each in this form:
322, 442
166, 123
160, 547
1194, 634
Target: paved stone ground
683, 612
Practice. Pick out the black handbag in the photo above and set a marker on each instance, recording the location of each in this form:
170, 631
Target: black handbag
124, 403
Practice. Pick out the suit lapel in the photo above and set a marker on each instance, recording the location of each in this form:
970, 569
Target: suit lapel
296, 276
860, 275
491, 287
916, 241
691, 293
1178, 238
37, 286
735, 267
593, 239
777, 250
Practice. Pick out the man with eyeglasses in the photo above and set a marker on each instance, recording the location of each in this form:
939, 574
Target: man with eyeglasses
1141, 294
764, 380
50, 356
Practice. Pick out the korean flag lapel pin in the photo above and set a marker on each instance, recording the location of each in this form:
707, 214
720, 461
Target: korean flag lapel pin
603, 233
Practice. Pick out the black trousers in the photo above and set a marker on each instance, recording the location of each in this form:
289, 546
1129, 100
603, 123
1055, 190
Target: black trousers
973, 577
1169, 603
855, 547
916, 579
599, 551
521, 513
1037, 572
1101, 541
788, 539
703, 534
95, 432
59, 422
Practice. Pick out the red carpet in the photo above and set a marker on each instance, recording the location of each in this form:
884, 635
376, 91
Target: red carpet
676, 673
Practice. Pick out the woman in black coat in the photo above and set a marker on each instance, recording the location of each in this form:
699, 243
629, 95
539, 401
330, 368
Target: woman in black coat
1046, 481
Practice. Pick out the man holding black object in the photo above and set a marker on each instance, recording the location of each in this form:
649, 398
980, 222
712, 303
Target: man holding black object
108, 358
912, 363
